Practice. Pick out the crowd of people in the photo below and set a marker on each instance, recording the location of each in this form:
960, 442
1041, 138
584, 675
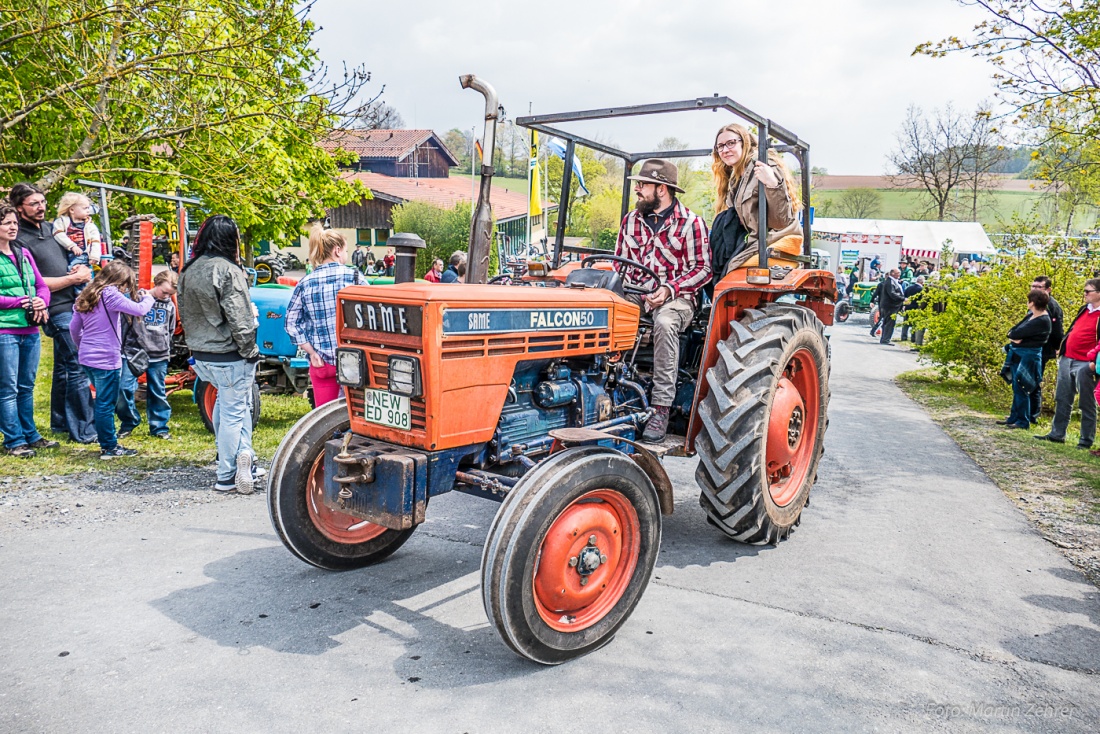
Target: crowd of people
103, 329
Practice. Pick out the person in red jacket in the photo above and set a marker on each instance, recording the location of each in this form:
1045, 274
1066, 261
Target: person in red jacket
1077, 372
432, 276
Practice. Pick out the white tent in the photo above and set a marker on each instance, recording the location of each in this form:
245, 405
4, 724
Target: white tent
919, 239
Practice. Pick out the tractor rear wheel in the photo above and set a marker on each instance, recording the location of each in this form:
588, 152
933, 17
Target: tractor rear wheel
268, 269
570, 553
763, 423
313, 532
206, 396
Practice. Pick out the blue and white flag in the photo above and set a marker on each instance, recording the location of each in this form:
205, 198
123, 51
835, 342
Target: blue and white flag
557, 148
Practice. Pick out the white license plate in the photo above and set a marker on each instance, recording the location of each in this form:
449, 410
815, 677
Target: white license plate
387, 409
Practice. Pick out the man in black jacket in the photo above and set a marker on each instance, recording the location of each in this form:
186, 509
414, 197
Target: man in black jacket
890, 301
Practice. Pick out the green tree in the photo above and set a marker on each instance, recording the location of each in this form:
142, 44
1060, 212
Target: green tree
460, 143
1044, 54
859, 204
595, 178
444, 231
220, 99
1070, 164
968, 317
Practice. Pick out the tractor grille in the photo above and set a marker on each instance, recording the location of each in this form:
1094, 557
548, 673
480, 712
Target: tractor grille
495, 346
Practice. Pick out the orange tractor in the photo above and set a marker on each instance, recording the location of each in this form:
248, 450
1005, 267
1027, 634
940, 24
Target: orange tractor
536, 396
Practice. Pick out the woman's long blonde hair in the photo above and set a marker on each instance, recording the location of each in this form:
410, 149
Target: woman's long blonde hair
322, 243
114, 273
724, 175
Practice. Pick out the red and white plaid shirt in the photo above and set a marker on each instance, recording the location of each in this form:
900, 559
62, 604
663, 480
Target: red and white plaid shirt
679, 252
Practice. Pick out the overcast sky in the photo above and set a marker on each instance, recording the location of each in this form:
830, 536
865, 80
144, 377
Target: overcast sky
836, 72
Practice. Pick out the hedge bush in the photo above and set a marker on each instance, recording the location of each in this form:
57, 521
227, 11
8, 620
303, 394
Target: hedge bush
967, 317
444, 231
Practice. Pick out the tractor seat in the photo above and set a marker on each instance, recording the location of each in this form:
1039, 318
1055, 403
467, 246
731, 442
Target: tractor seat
595, 278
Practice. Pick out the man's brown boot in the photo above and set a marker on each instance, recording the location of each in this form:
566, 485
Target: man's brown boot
657, 426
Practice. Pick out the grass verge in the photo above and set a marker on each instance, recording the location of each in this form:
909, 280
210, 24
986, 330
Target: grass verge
191, 444
1056, 485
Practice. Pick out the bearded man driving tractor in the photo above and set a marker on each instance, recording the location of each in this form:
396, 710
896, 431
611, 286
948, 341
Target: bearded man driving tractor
667, 237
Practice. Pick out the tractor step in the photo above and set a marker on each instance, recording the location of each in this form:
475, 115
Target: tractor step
670, 445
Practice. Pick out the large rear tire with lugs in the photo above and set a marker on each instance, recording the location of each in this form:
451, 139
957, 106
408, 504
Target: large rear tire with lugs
763, 423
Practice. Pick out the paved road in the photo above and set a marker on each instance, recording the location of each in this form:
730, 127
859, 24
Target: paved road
913, 597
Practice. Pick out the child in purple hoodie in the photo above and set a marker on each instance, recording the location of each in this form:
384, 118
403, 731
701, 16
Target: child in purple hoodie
98, 336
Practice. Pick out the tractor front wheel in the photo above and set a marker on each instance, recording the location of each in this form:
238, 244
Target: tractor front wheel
570, 553
206, 396
763, 423
312, 531
842, 312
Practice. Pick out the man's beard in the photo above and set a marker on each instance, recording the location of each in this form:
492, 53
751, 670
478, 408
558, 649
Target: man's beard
646, 207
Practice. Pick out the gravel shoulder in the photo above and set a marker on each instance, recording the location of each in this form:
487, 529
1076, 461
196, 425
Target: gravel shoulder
78, 500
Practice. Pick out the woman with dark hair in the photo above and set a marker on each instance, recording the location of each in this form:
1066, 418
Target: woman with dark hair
24, 304
219, 322
1025, 349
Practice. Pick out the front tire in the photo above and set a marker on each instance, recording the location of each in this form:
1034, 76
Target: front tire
842, 312
763, 423
316, 534
570, 553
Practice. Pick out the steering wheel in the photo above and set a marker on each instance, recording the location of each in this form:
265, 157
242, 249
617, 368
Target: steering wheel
502, 279
627, 287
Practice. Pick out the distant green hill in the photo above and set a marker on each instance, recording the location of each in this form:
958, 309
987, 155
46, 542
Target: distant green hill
994, 214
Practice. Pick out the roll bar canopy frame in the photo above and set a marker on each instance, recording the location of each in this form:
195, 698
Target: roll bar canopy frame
791, 143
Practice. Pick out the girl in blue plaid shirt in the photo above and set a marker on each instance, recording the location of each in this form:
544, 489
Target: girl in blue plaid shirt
311, 315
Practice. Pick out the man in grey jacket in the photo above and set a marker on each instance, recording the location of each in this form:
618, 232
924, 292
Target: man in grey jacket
220, 328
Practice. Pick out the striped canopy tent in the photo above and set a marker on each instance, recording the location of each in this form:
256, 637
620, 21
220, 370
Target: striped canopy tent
924, 240
919, 253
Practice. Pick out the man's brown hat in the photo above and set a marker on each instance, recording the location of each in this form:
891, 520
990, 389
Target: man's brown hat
658, 171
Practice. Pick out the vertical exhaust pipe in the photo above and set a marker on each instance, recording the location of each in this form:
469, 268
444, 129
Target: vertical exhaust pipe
477, 266
405, 246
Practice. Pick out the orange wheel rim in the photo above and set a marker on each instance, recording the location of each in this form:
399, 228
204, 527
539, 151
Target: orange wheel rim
334, 525
586, 560
792, 427
209, 398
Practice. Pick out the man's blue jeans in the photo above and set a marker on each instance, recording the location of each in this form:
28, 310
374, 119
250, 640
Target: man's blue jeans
18, 368
156, 399
232, 412
71, 409
106, 395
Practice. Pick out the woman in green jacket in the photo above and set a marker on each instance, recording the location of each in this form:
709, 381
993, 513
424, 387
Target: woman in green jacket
24, 300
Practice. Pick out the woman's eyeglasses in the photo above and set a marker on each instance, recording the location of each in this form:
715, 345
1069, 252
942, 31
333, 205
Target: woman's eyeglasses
729, 145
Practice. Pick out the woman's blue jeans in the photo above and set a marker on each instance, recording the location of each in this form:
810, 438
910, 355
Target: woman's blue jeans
106, 395
232, 417
1026, 375
18, 369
